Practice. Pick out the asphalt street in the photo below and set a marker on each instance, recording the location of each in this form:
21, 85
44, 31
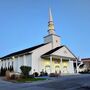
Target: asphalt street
70, 82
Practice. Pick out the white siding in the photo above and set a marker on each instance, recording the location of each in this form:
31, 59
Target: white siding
54, 39
19, 61
71, 67
15, 64
36, 57
0, 64
29, 60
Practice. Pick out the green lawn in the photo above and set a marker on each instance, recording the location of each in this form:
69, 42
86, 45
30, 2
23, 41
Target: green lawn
30, 79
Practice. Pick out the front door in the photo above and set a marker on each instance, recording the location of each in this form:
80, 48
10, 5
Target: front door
47, 69
65, 69
57, 69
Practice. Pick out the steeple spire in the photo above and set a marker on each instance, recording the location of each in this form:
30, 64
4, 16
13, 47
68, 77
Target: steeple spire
50, 23
50, 15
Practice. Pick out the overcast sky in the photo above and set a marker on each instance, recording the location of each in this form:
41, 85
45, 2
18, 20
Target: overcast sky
24, 23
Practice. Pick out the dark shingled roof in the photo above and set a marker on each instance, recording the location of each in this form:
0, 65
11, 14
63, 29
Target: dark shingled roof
51, 51
23, 51
85, 59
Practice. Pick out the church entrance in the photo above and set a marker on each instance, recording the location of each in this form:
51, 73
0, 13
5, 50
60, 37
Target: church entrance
57, 69
65, 69
47, 69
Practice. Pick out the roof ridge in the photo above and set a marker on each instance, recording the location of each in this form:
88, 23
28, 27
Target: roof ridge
23, 51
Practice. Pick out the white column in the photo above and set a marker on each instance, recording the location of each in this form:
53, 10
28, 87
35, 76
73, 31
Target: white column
10, 62
61, 67
50, 64
18, 62
76, 66
69, 65
14, 63
6, 63
2, 64
24, 63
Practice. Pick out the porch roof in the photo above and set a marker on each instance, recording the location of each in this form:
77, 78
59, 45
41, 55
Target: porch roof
50, 53
57, 57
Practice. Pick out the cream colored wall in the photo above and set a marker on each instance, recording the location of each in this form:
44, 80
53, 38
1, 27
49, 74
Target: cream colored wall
65, 66
61, 66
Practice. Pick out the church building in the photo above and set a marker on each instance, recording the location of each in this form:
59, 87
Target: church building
50, 56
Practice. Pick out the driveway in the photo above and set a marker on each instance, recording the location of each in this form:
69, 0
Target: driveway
70, 82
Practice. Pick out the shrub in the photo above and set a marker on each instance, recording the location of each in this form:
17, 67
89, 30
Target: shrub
54, 75
2, 71
13, 77
11, 68
31, 76
42, 73
25, 70
35, 74
46, 74
7, 75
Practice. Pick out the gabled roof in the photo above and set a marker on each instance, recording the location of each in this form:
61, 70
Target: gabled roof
51, 51
55, 49
23, 51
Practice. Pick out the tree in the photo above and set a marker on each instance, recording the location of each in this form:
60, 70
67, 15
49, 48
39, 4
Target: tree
25, 70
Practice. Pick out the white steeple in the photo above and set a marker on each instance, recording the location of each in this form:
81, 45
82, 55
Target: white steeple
50, 23
50, 15
52, 37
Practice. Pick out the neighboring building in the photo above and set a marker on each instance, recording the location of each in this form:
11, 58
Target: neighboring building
50, 56
85, 64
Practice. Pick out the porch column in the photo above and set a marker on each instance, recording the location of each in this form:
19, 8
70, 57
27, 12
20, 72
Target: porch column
71, 66
24, 63
5, 63
13, 63
61, 65
50, 64
76, 66
19, 64
8, 63
2, 64
69, 69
